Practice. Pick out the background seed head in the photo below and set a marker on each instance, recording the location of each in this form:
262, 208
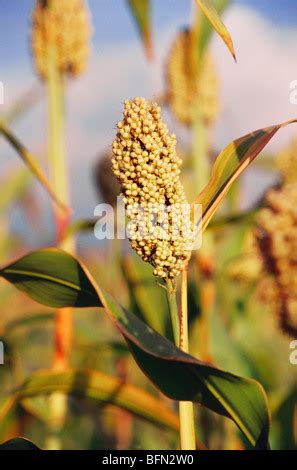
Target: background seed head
191, 88
63, 26
277, 241
148, 169
286, 162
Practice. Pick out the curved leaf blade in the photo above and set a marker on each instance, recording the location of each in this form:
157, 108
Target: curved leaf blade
18, 443
52, 278
214, 18
204, 28
177, 374
32, 163
229, 165
183, 377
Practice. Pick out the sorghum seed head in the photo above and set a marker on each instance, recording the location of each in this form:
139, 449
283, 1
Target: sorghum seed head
277, 241
61, 28
286, 162
191, 88
155, 169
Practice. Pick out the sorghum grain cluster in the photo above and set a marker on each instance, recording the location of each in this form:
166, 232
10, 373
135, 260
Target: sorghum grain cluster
287, 163
61, 28
148, 170
191, 88
277, 241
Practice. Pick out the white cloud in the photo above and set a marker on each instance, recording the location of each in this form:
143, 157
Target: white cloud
255, 91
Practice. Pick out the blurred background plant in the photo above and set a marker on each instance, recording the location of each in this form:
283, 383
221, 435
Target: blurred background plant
241, 284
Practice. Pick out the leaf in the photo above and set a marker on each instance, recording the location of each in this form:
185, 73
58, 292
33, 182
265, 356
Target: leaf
53, 278
32, 164
18, 443
229, 165
145, 293
82, 225
183, 377
285, 422
204, 28
10, 423
24, 103
141, 12
213, 16
13, 187
177, 374
102, 388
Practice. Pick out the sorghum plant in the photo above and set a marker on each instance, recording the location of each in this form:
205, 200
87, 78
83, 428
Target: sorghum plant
148, 169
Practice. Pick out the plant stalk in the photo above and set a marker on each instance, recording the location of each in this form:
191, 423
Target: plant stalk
59, 177
186, 409
173, 310
180, 334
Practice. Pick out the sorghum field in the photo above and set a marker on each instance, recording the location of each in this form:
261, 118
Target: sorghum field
148, 225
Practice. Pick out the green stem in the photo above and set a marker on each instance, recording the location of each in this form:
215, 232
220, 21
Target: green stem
186, 409
59, 176
201, 163
180, 333
57, 161
173, 310
56, 149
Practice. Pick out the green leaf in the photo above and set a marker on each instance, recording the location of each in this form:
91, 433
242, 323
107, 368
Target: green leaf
141, 12
178, 375
204, 28
183, 377
18, 443
284, 422
53, 278
82, 225
229, 165
145, 293
32, 163
13, 187
211, 13
100, 387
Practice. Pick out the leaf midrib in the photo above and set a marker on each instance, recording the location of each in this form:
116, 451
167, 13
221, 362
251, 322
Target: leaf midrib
54, 280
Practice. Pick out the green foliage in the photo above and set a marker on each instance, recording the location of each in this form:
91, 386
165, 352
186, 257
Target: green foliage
208, 8
177, 374
52, 278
